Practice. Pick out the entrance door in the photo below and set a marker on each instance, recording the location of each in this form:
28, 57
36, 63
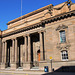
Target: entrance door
38, 55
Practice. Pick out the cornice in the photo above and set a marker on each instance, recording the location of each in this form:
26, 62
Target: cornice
51, 19
59, 17
29, 14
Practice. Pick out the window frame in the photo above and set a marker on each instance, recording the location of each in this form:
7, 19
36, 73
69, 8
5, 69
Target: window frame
63, 31
64, 56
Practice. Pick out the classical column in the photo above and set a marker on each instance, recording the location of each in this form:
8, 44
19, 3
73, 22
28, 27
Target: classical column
41, 46
3, 52
27, 46
29, 49
13, 50
14, 54
25, 49
16, 58
45, 45
21, 48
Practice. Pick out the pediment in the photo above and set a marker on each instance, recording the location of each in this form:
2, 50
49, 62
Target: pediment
60, 27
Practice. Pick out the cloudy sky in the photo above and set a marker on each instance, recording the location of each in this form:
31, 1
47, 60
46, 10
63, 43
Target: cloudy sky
11, 9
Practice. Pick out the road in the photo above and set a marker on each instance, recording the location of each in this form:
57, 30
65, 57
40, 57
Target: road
60, 73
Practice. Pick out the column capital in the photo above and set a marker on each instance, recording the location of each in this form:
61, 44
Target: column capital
28, 34
41, 31
3, 41
25, 35
14, 38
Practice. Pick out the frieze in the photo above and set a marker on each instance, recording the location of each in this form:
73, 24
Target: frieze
60, 27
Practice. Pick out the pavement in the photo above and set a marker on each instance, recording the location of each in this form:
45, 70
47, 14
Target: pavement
3, 72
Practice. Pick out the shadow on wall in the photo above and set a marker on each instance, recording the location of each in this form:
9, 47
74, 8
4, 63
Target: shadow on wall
64, 69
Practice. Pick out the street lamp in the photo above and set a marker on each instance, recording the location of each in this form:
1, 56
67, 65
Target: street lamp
51, 63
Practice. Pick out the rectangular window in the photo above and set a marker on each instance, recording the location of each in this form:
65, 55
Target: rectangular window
62, 37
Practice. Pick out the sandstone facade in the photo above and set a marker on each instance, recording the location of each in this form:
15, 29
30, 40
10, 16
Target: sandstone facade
31, 41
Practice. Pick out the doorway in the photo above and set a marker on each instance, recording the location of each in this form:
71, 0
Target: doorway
35, 46
38, 55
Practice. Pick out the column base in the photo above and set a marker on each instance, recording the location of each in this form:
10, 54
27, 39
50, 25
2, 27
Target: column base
13, 66
27, 66
3, 65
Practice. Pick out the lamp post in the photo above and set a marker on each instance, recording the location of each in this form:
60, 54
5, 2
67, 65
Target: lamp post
51, 63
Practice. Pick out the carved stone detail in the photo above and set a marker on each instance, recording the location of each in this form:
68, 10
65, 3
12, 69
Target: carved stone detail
50, 9
64, 46
69, 3
60, 27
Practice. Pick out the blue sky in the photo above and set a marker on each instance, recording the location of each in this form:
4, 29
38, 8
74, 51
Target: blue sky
11, 9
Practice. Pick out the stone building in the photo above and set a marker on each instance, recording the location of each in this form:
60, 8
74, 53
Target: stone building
31, 41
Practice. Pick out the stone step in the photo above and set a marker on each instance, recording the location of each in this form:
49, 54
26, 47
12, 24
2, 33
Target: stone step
19, 68
8, 68
35, 68
22, 71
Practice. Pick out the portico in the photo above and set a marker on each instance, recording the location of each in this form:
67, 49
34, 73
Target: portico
22, 50
32, 39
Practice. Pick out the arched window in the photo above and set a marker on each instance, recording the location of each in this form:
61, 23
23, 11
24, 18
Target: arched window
62, 36
64, 55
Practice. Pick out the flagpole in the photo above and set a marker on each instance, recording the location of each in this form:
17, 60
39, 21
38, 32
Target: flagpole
21, 9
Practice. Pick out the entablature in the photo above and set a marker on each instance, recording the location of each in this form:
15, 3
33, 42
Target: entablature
42, 23
41, 14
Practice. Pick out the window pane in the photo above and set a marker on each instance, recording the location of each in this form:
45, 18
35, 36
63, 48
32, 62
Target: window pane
64, 55
62, 36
